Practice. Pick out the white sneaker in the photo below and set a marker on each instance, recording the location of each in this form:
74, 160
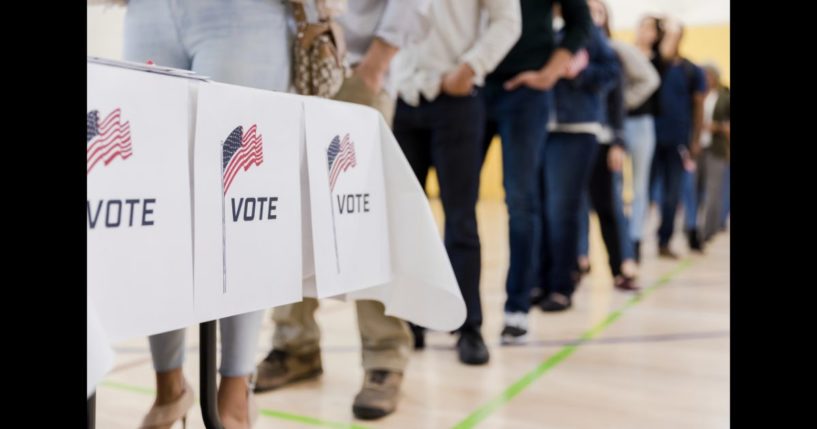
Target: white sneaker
516, 328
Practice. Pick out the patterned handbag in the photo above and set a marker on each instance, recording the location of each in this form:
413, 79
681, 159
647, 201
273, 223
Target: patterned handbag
319, 60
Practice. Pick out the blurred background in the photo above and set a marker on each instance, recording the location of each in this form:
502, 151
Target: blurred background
706, 38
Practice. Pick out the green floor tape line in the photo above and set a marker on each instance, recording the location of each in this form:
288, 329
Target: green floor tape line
489, 408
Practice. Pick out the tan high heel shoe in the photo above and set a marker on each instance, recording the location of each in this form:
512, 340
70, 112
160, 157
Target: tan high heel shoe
167, 414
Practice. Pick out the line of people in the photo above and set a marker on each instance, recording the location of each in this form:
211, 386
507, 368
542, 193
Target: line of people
568, 104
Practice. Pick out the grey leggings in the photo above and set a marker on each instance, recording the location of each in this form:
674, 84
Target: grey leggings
239, 337
241, 42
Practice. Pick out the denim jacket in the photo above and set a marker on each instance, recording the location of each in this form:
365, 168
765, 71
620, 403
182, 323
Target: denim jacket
580, 100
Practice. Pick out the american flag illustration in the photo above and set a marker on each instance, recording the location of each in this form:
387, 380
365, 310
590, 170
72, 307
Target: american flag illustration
107, 138
341, 156
241, 150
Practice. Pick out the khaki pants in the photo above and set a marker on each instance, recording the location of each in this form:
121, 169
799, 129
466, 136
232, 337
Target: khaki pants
386, 340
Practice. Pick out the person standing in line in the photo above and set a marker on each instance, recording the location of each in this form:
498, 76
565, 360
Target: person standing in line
641, 98
374, 31
605, 191
212, 38
716, 142
677, 129
518, 101
439, 122
566, 165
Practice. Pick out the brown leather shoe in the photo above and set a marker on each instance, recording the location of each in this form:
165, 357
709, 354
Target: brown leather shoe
280, 368
378, 397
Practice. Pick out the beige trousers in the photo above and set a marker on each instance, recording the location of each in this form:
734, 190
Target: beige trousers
386, 340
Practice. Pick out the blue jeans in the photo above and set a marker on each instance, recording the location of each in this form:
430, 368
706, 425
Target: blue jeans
584, 226
691, 197
520, 117
447, 133
567, 163
241, 42
640, 137
623, 221
667, 171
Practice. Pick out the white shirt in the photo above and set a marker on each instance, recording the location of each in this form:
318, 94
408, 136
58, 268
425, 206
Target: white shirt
459, 34
397, 22
709, 111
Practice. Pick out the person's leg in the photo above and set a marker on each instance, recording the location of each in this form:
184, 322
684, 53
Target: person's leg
239, 337
584, 225
295, 353
713, 203
386, 340
671, 173
386, 347
727, 187
456, 153
601, 195
640, 134
296, 331
567, 167
689, 199
167, 353
455, 148
150, 34
629, 263
414, 137
221, 37
522, 117
656, 182
584, 235
242, 42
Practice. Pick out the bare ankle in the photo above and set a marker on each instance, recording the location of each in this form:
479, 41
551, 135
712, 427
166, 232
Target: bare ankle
169, 386
233, 402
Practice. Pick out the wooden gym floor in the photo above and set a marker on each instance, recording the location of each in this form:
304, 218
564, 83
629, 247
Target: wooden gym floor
613, 361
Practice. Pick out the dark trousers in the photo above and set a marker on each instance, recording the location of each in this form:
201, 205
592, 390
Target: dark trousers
567, 163
520, 118
602, 194
447, 134
667, 171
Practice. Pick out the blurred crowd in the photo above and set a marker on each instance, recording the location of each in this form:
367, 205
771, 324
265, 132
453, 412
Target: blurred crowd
573, 109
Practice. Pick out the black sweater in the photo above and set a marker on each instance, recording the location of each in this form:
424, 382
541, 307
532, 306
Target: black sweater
536, 44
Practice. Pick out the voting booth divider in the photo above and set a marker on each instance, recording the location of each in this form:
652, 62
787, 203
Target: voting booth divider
207, 200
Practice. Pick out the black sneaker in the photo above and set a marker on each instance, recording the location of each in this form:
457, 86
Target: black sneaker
556, 302
694, 241
419, 334
471, 348
516, 328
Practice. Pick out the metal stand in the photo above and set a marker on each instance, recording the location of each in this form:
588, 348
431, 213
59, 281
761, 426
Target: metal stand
207, 375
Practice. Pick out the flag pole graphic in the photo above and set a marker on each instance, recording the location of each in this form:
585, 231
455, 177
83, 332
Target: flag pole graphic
334, 231
223, 226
